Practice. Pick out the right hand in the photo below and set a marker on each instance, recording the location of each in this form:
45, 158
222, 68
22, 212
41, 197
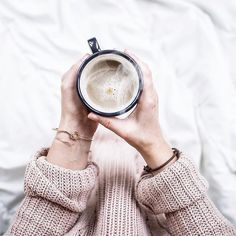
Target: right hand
142, 128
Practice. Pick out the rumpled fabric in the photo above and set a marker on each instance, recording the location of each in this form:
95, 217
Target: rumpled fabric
189, 45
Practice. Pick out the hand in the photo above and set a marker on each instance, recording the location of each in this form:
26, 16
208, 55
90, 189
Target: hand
74, 115
141, 129
65, 152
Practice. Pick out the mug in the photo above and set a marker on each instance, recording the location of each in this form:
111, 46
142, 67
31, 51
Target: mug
109, 82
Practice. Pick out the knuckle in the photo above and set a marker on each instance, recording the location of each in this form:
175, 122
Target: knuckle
84, 57
154, 95
152, 103
107, 124
125, 135
145, 65
64, 76
148, 72
74, 68
64, 84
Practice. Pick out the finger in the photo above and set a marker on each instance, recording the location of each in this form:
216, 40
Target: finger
69, 78
148, 96
131, 54
144, 67
111, 123
148, 88
74, 68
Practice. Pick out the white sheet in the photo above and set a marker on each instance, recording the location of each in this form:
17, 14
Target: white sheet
189, 44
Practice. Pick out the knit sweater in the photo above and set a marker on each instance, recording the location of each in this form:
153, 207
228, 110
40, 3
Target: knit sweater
114, 196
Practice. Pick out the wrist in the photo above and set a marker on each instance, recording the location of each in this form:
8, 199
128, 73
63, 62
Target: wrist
69, 153
71, 125
157, 153
73, 143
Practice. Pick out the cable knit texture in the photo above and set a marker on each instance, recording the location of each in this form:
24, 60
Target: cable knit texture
107, 199
180, 192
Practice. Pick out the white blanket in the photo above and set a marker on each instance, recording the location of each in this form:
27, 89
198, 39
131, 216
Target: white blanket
190, 46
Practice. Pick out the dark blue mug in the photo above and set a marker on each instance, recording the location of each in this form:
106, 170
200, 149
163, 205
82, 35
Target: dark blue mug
109, 82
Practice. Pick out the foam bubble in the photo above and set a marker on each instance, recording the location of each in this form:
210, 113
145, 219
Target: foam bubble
110, 84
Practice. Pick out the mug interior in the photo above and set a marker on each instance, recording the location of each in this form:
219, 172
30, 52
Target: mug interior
109, 83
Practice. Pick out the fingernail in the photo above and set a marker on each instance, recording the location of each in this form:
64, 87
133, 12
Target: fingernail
130, 53
83, 57
92, 116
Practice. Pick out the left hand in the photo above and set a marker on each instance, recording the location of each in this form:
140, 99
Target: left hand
65, 152
74, 116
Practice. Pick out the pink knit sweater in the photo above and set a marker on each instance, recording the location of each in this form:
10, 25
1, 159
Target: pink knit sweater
113, 196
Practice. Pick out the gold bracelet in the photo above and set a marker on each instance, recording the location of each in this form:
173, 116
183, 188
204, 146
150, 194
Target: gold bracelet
74, 136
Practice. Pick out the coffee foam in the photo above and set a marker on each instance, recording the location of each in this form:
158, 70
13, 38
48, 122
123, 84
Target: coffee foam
109, 83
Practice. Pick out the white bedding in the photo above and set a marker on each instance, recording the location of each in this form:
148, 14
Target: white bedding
190, 46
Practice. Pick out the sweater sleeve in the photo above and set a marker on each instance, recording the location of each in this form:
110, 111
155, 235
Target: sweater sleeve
54, 198
180, 192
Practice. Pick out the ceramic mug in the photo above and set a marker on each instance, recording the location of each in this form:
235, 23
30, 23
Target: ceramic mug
109, 82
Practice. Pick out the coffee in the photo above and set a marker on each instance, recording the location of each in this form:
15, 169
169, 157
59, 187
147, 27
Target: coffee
109, 83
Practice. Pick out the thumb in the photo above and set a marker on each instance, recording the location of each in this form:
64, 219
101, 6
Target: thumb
111, 123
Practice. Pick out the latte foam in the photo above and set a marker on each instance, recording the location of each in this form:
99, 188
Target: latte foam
109, 83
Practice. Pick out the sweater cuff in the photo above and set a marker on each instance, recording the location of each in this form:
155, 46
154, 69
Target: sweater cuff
68, 188
176, 187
